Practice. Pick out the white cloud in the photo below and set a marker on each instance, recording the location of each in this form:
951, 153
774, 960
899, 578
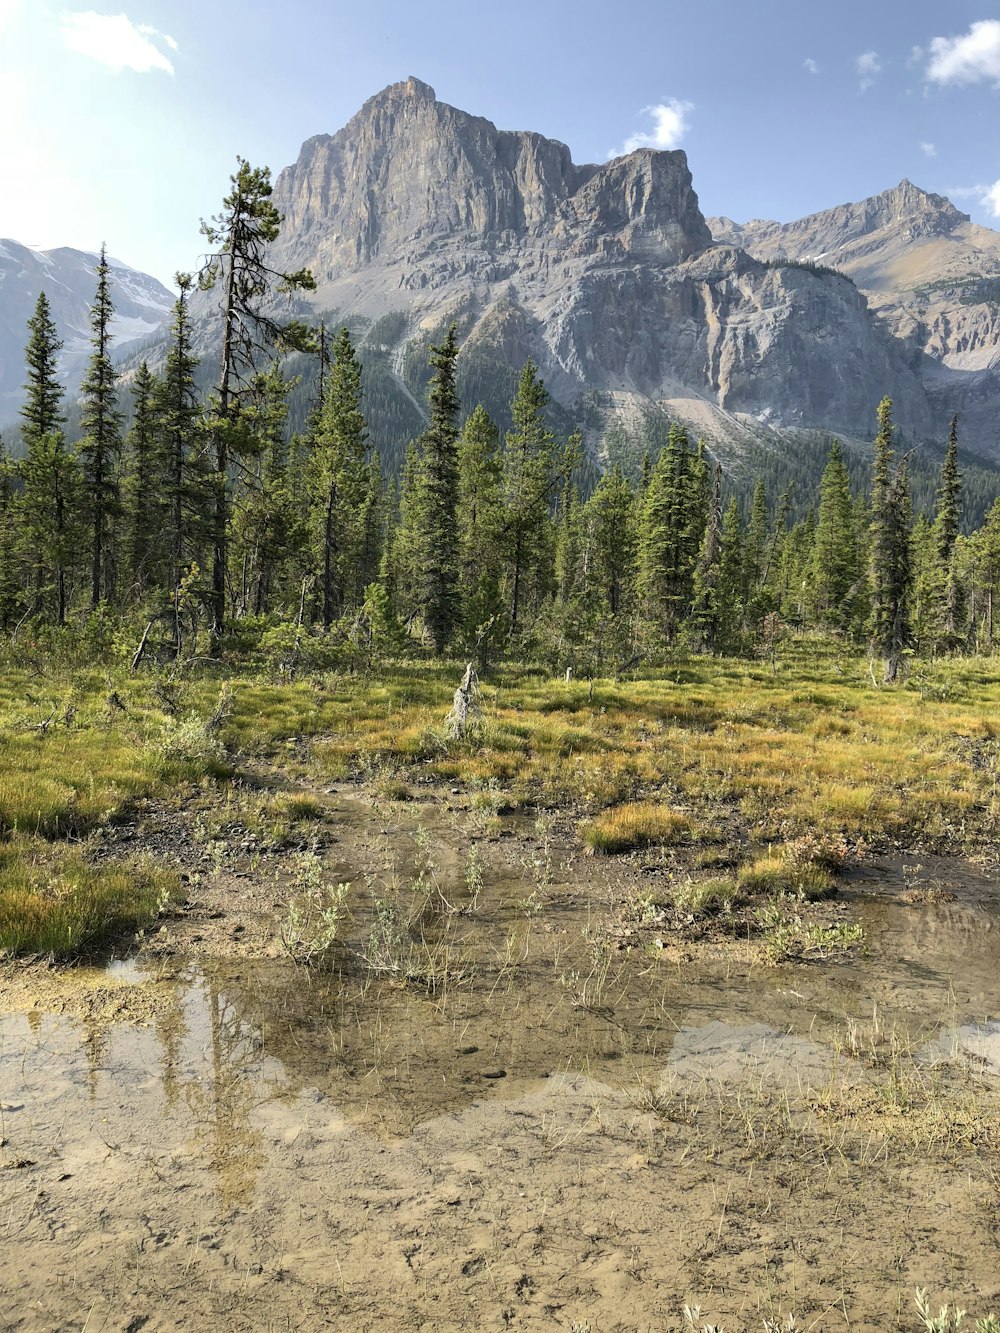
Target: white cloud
928, 150
115, 41
154, 32
986, 196
8, 13
869, 67
967, 59
810, 65
670, 124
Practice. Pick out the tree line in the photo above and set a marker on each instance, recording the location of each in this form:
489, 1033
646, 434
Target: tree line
212, 521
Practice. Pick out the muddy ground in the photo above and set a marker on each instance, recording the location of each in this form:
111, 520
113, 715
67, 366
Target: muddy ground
560, 1112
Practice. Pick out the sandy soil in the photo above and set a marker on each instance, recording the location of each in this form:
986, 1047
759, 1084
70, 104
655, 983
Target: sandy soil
574, 1132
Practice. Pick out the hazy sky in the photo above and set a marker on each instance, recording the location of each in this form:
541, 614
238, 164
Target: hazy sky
121, 122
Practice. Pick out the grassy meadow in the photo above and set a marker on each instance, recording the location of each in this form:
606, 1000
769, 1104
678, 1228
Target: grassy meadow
774, 773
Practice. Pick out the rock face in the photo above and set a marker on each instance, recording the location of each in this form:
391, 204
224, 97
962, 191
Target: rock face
142, 306
929, 273
607, 276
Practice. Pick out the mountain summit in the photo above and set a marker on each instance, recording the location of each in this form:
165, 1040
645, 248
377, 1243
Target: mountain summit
607, 276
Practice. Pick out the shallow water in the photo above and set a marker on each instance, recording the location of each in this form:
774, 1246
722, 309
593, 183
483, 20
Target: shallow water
250, 1128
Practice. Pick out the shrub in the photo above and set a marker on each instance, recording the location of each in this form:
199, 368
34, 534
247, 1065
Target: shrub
638, 825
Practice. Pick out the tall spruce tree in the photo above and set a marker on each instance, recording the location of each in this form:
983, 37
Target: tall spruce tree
10, 587
891, 573
836, 567
529, 475
142, 489
187, 491
49, 473
949, 593
438, 596
480, 535
42, 413
610, 518
100, 446
240, 234
337, 480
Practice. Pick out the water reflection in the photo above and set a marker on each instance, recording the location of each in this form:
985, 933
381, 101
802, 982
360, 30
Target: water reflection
227, 1046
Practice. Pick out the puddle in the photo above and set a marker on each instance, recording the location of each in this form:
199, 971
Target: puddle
269, 1148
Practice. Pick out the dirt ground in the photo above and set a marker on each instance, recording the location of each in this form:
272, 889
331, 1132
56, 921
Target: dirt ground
574, 1127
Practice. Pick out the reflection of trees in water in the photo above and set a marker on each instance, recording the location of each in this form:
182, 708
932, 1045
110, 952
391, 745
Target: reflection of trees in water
391, 1056
95, 1046
171, 1030
222, 1102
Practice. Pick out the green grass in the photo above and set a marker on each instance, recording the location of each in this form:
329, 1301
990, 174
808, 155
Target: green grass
628, 827
55, 904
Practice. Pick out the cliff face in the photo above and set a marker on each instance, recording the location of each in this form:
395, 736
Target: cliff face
929, 273
607, 275
409, 172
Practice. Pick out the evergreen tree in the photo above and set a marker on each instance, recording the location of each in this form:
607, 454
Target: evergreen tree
529, 475
891, 572
438, 598
732, 582
42, 412
49, 474
705, 611
101, 443
248, 224
266, 534
10, 588
480, 529
610, 517
142, 492
836, 568
337, 481
187, 492
949, 594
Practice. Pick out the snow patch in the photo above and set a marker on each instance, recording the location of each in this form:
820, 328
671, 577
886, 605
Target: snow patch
128, 329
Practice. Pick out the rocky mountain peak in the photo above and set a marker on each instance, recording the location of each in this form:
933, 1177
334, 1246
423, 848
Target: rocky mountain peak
908, 203
409, 173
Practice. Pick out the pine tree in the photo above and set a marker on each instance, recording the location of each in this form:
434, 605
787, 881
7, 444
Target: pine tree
143, 510
949, 593
438, 597
705, 611
610, 517
337, 481
187, 492
987, 567
732, 582
266, 534
241, 233
529, 476
836, 567
480, 528
891, 573
10, 587
42, 412
49, 474
101, 443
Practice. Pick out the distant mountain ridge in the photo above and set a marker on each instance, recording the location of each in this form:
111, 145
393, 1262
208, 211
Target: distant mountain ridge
929, 272
68, 278
608, 276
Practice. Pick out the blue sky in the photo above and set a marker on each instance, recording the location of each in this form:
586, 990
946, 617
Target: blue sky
121, 122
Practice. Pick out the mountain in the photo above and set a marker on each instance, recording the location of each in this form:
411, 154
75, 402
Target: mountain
608, 276
928, 272
142, 306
